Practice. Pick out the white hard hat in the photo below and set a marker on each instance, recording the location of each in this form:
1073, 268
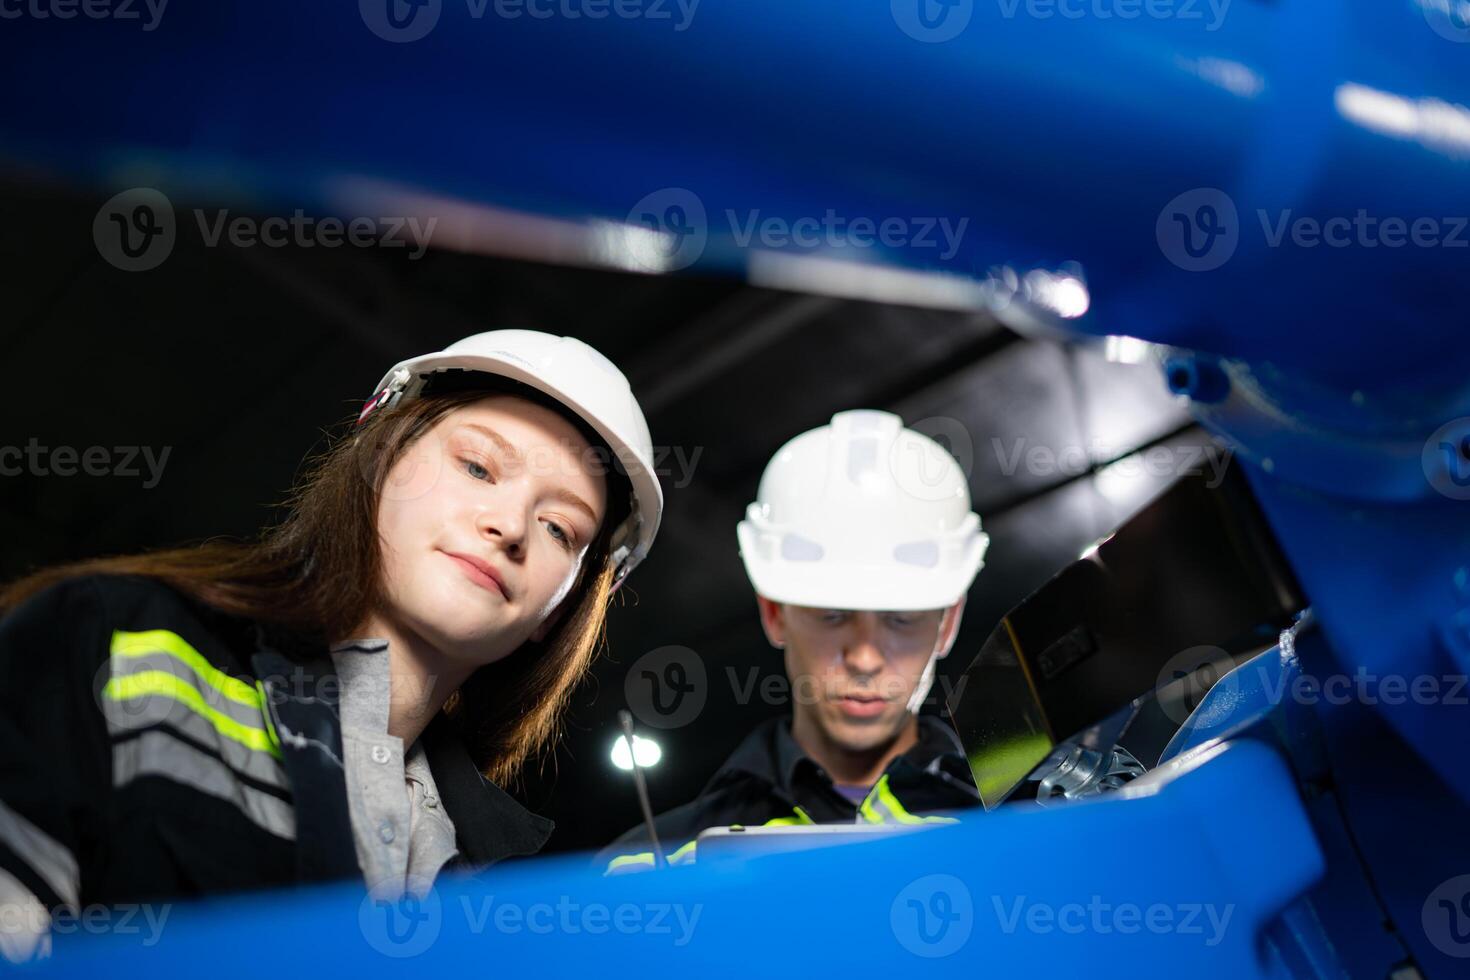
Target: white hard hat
578, 377
862, 514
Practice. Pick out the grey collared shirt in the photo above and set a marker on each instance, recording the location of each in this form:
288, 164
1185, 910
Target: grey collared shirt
402, 834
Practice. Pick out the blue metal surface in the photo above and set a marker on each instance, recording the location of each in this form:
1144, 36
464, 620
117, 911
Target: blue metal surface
1100, 888
1058, 138
1100, 141
1387, 581
1338, 927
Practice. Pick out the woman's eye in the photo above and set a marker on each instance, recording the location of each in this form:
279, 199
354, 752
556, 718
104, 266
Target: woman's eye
558, 532
475, 470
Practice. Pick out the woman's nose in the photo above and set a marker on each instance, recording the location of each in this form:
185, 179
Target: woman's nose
504, 525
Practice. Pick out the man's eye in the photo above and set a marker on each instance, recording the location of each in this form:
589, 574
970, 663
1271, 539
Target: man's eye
900, 622
834, 618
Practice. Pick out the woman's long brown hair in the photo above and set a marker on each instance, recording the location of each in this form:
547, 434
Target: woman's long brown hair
318, 573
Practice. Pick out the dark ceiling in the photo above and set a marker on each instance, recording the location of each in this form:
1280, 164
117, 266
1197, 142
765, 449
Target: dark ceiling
238, 360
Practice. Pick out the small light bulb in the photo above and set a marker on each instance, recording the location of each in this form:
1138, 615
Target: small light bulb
646, 750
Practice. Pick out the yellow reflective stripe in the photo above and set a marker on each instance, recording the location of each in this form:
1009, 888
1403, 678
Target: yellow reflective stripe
884, 793
150, 683
265, 713
142, 644
886, 797
628, 860
645, 858
688, 850
801, 817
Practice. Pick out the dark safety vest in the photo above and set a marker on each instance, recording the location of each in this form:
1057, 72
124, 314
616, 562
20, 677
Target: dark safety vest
157, 748
769, 781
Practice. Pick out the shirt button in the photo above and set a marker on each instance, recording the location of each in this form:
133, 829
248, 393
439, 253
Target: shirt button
380, 754
385, 832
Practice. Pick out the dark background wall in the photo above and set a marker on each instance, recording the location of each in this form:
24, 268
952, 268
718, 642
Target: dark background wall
238, 361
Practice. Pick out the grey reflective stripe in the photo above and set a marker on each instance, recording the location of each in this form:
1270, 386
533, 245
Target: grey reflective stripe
259, 766
51, 860
158, 753
883, 807
126, 714
25, 931
873, 811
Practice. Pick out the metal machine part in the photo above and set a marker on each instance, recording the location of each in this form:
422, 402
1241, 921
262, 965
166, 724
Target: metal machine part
1193, 578
1351, 353
1073, 772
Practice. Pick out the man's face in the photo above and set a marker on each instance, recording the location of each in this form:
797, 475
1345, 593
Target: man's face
859, 676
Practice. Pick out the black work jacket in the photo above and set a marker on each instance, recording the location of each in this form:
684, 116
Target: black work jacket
157, 748
770, 780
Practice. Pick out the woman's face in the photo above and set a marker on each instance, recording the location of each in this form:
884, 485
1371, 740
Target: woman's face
485, 521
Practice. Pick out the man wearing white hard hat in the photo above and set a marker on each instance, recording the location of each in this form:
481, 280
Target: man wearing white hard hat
861, 546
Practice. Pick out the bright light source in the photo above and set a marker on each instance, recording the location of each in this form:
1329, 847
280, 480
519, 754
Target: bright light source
1439, 125
1064, 295
1126, 350
646, 749
1232, 76
632, 247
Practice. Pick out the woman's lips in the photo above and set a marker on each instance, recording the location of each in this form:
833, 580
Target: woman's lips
479, 573
860, 707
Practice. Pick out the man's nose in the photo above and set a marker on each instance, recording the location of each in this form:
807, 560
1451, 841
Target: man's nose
862, 652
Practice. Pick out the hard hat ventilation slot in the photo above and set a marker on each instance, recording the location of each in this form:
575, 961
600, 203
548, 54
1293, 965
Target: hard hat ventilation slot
796, 548
862, 460
924, 554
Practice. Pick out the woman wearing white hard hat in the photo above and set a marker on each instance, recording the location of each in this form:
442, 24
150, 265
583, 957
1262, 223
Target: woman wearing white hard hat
337, 698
